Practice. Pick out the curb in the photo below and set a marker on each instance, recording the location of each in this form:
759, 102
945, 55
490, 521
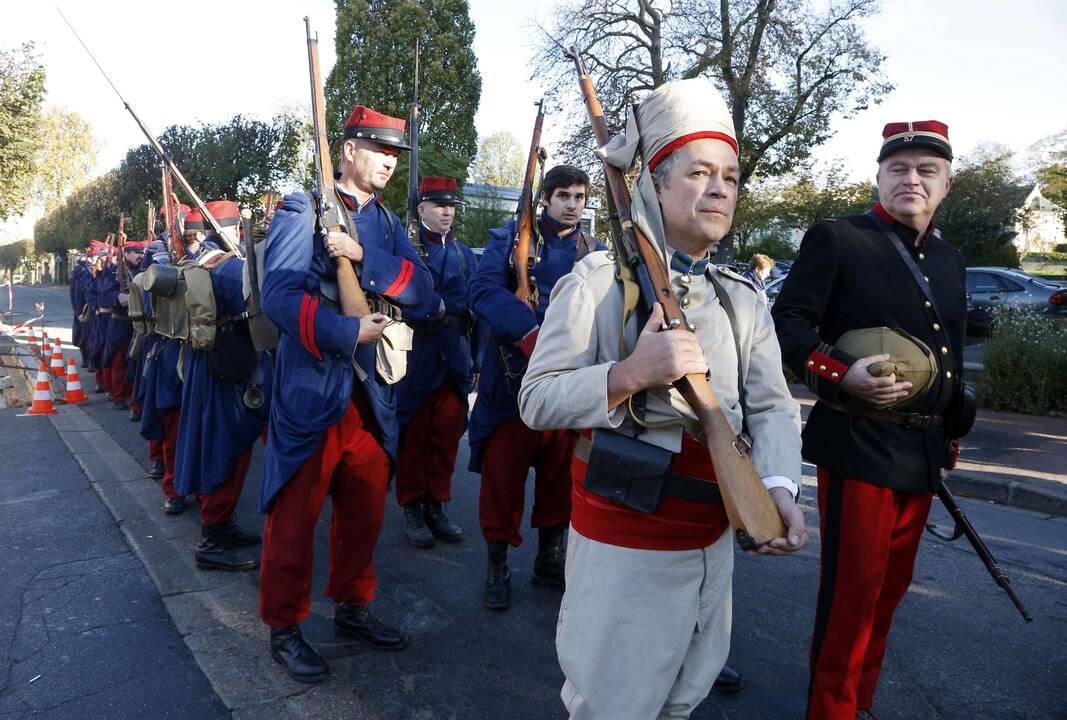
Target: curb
1012, 494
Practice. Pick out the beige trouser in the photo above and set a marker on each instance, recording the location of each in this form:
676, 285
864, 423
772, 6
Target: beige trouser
643, 634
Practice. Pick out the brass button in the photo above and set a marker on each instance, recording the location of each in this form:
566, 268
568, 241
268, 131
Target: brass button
834, 375
685, 302
926, 278
927, 303
822, 368
811, 363
944, 350
948, 374
611, 256
684, 279
937, 326
372, 283
921, 256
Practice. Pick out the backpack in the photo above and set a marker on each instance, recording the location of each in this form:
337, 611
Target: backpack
187, 312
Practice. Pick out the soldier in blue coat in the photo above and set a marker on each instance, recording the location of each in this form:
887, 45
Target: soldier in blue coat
333, 426
216, 430
98, 320
119, 328
502, 447
79, 329
432, 397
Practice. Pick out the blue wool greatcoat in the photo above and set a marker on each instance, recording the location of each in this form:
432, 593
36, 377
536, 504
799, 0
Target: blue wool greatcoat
313, 363
440, 352
162, 385
119, 327
508, 320
137, 367
215, 427
77, 301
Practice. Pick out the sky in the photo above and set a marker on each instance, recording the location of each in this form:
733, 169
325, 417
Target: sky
994, 71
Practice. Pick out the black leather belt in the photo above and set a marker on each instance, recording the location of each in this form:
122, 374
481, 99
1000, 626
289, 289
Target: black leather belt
912, 421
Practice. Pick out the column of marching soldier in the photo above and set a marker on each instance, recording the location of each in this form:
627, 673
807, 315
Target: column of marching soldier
648, 632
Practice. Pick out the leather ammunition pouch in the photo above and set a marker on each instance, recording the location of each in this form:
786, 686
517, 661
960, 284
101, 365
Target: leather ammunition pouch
434, 327
637, 475
234, 355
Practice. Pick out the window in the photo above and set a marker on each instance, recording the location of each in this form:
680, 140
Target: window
979, 282
1008, 285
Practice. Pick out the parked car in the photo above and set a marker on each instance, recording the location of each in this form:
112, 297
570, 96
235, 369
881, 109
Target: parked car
991, 287
17, 278
781, 269
772, 288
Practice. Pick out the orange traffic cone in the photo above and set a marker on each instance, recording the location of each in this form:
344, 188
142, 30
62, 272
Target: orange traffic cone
74, 384
42, 394
45, 345
57, 360
33, 341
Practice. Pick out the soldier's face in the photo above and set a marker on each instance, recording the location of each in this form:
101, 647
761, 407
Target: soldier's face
438, 217
699, 194
912, 183
566, 205
368, 164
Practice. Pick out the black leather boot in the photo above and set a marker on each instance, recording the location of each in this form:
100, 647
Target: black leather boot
439, 524
174, 505
415, 525
237, 537
135, 416
497, 595
290, 650
156, 469
549, 563
98, 388
356, 621
213, 552
865, 714
729, 680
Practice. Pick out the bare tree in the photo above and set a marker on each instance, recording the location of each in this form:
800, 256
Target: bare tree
785, 66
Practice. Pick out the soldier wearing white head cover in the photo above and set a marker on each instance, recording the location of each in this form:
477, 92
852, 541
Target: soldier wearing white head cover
644, 626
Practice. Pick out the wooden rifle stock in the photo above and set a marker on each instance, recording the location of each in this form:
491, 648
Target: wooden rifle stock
329, 209
525, 213
412, 220
749, 506
124, 270
176, 244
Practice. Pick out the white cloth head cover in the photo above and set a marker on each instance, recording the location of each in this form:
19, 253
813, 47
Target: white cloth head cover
677, 111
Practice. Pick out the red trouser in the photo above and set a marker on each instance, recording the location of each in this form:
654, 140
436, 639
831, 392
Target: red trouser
509, 453
170, 445
428, 446
353, 469
155, 449
120, 387
103, 378
870, 536
218, 506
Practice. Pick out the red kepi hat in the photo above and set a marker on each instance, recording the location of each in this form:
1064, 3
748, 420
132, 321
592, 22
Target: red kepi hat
367, 124
226, 212
440, 190
929, 134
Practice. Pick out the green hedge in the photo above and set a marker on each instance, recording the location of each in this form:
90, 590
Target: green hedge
1025, 363
1048, 257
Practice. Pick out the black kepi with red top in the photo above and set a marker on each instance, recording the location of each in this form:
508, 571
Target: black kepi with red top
927, 134
367, 124
439, 190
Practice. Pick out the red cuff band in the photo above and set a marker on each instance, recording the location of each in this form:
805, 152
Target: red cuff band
826, 367
407, 269
528, 342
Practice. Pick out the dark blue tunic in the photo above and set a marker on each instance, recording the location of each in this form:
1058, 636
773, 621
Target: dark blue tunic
162, 385
441, 351
508, 319
215, 427
313, 364
77, 301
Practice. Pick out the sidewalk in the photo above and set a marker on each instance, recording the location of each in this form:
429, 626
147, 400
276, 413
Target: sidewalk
1010, 459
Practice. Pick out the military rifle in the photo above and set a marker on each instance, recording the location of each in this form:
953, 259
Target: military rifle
412, 220
330, 212
160, 152
124, 271
525, 215
749, 506
175, 244
150, 221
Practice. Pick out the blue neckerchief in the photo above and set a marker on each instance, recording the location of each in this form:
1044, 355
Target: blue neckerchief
682, 263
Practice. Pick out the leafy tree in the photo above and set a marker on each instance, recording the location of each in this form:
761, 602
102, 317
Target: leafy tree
13, 254
978, 215
21, 92
810, 200
65, 157
376, 67
500, 161
785, 66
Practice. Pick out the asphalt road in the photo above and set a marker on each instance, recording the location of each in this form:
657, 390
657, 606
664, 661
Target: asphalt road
957, 650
